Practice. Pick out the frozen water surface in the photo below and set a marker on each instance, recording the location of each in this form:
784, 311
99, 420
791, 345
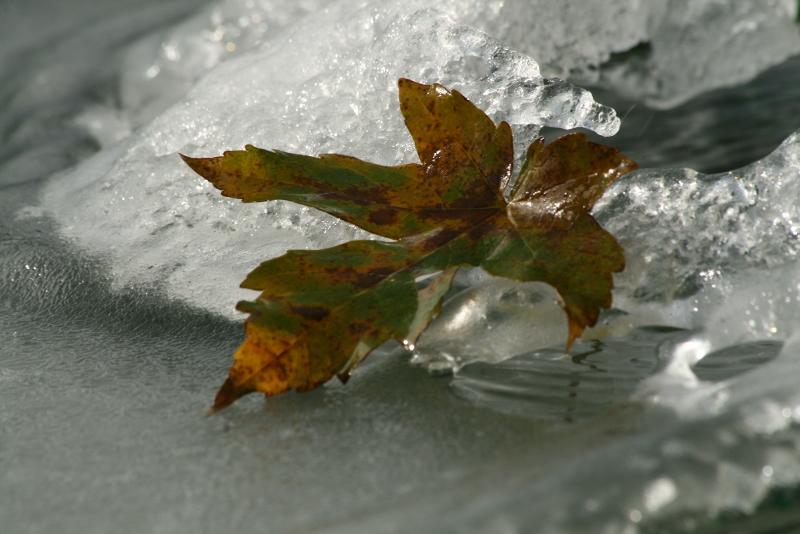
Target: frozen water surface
678, 412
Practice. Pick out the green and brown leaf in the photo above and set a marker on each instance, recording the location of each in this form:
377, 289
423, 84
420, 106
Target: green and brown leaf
321, 312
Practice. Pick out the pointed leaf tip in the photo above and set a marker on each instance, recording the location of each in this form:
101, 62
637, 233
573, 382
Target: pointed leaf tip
575, 331
227, 395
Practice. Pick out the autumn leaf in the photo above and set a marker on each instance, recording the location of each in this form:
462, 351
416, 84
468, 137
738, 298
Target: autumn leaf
321, 312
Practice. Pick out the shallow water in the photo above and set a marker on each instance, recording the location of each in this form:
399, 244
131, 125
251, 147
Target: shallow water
106, 371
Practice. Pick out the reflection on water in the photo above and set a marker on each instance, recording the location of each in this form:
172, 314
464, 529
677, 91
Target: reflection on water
731, 361
544, 384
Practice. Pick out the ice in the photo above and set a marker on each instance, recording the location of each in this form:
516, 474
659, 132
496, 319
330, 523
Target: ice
118, 276
694, 46
96, 86
332, 90
488, 322
163, 225
702, 246
662, 52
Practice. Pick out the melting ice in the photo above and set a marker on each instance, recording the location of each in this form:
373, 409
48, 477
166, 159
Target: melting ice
120, 318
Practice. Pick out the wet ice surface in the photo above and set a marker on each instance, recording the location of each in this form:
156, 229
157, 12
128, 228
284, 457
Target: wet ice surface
117, 275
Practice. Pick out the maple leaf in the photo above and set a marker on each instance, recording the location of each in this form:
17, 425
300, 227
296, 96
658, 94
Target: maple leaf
321, 312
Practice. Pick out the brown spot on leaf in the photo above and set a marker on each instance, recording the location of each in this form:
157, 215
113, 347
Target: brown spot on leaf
358, 328
309, 312
384, 216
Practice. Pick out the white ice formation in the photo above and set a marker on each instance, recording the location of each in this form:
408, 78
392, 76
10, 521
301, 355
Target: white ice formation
326, 84
313, 77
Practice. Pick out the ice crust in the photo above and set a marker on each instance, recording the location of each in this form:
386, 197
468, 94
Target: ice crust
97, 86
705, 248
327, 84
309, 77
716, 254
